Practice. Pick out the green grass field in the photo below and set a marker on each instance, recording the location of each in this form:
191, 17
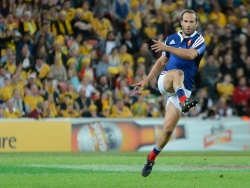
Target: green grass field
123, 169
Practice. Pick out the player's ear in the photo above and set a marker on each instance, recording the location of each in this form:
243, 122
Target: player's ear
197, 24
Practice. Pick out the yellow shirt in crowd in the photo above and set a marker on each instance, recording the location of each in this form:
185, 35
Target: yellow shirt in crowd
32, 101
126, 57
125, 113
139, 109
15, 113
6, 92
73, 114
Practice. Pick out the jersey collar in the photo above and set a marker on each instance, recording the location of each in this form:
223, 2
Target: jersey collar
180, 34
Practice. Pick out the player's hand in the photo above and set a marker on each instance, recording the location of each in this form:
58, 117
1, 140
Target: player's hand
158, 45
140, 85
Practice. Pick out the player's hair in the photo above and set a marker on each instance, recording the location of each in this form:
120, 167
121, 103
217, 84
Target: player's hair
190, 12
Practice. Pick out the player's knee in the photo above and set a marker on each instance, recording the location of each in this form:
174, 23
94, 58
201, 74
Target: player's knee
179, 73
167, 131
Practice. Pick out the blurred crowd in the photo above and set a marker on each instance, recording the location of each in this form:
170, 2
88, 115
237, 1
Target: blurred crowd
78, 58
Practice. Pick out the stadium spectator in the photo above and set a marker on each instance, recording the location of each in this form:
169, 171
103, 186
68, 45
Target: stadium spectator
37, 112
152, 108
102, 8
225, 88
239, 72
85, 47
87, 11
5, 7
119, 110
134, 18
202, 16
86, 69
79, 25
25, 59
217, 16
62, 26
102, 84
130, 42
139, 108
10, 111
58, 70
27, 24
46, 112
106, 45
17, 101
46, 34
210, 75
8, 53
114, 59
57, 50
102, 26
25, 40
105, 113
69, 92
3, 74
70, 112
19, 8
125, 56
73, 78
144, 52
241, 97
120, 12
92, 112
6, 90
228, 66
82, 103
65, 6
35, 6
52, 104
87, 84
11, 24
31, 100
121, 89
140, 70
11, 64
102, 66
17, 83
205, 102
223, 109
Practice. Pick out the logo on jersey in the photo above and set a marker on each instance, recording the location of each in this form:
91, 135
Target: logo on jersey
172, 42
189, 42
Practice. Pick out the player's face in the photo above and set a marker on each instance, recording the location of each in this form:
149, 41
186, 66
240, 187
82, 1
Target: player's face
189, 24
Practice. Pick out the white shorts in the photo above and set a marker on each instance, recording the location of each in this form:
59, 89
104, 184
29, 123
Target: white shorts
171, 97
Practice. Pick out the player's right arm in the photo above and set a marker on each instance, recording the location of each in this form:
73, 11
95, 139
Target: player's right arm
155, 71
157, 68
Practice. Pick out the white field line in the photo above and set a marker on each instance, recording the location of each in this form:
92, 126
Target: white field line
136, 168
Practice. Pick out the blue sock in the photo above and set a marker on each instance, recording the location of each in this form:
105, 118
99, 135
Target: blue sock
181, 94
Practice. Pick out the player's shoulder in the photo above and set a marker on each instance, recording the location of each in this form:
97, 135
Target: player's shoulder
197, 36
172, 37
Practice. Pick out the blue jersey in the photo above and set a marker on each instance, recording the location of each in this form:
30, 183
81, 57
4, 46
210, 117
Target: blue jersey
189, 67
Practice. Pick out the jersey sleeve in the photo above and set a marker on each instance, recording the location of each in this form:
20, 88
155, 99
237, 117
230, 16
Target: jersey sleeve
166, 54
199, 45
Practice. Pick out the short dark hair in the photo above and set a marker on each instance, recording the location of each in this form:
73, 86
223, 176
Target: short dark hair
190, 12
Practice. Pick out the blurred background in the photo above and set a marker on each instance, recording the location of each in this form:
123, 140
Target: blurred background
75, 58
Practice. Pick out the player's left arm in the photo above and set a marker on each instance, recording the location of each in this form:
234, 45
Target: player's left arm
197, 48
